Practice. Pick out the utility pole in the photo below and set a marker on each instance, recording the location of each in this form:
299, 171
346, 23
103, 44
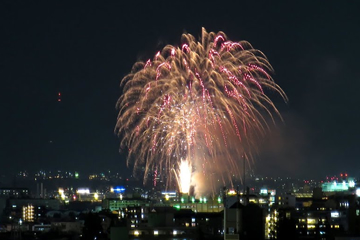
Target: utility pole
224, 202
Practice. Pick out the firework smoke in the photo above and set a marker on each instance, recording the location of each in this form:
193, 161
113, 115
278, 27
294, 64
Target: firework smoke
202, 101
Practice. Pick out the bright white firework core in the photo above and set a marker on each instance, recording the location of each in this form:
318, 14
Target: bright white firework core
184, 176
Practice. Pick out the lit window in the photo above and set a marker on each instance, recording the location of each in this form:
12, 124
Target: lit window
311, 226
335, 214
311, 221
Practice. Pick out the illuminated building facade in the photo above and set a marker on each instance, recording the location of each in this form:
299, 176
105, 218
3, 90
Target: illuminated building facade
196, 205
115, 204
316, 217
135, 216
31, 209
201, 207
28, 213
47, 203
149, 222
14, 192
339, 186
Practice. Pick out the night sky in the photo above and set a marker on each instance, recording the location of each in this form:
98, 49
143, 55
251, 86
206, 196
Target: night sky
84, 48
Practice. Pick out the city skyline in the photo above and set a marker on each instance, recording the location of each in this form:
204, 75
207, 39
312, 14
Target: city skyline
83, 51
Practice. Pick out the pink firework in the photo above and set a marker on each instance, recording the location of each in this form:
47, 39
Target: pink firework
202, 101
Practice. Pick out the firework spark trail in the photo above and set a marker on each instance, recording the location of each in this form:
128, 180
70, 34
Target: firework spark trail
183, 176
197, 101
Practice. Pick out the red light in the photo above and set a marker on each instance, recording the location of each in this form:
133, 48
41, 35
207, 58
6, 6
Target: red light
59, 100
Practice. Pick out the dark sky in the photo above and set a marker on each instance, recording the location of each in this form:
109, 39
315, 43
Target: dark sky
84, 48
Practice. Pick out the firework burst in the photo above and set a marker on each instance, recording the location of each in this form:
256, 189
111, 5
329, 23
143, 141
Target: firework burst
202, 101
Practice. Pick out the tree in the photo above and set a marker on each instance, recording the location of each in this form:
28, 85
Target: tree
92, 227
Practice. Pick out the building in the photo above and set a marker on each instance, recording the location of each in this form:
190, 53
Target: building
29, 209
244, 221
115, 204
14, 192
200, 205
314, 217
338, 186
28, 213
53, 204
72, 226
